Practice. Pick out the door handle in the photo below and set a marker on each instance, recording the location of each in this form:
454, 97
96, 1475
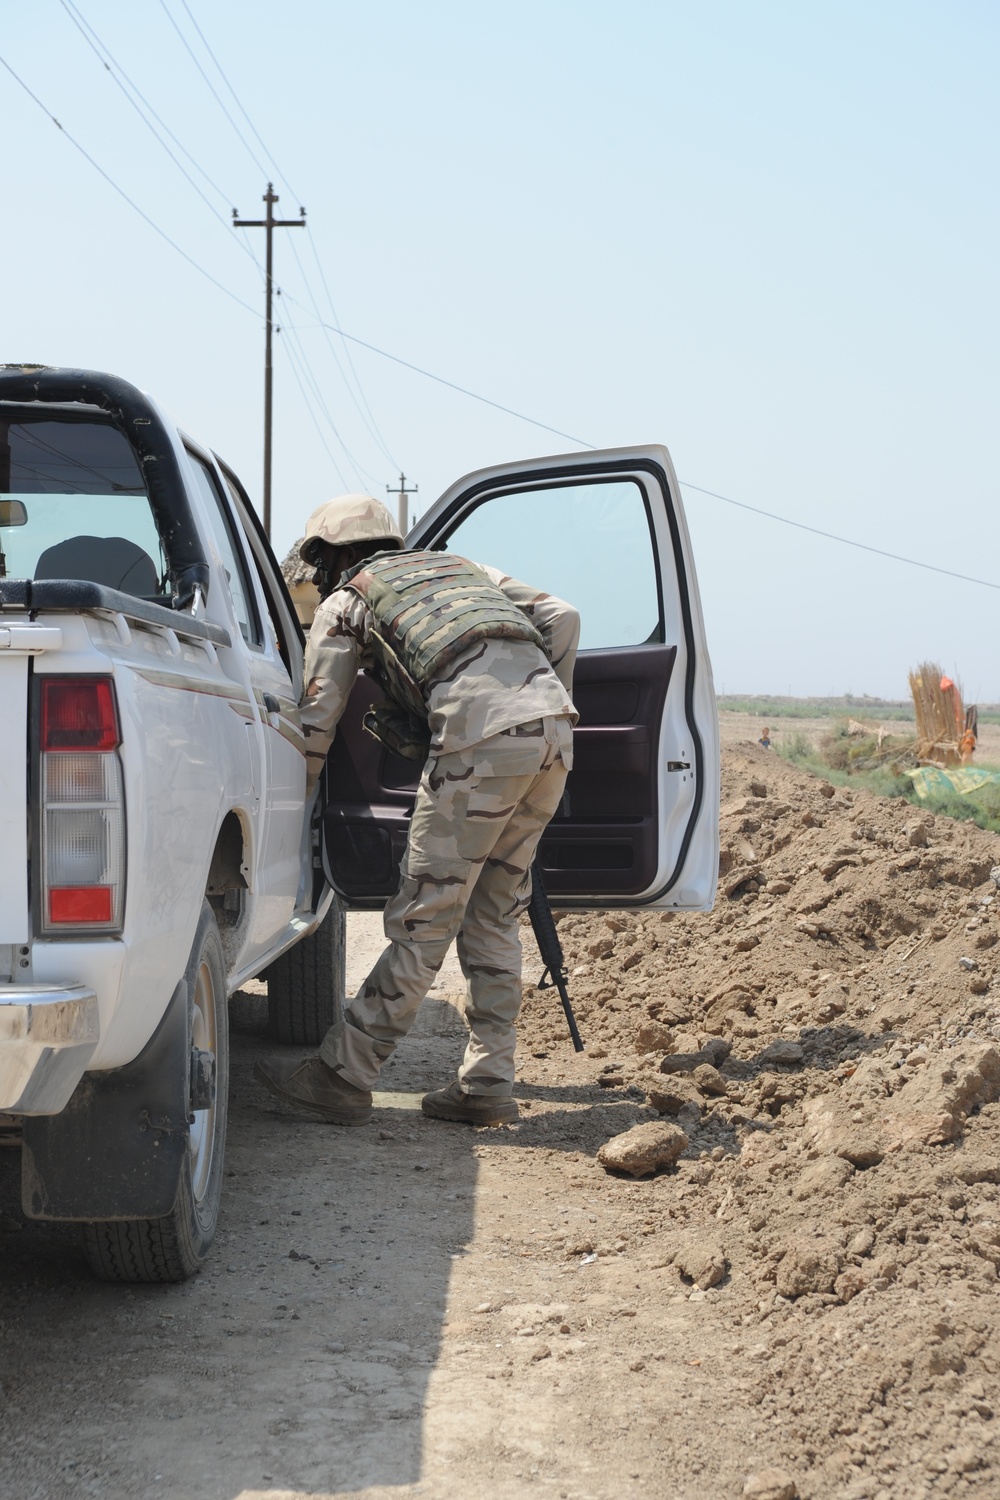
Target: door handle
271, 703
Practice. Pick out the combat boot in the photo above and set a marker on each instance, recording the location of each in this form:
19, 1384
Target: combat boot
453, 1103
315, 1087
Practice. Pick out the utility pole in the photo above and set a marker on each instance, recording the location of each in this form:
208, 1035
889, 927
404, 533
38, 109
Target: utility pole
270, 224
402, 492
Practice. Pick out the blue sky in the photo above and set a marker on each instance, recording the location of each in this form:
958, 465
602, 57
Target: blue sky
765, 235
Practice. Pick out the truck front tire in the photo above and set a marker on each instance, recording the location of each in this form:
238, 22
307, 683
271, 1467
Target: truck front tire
174, 1247
305, 986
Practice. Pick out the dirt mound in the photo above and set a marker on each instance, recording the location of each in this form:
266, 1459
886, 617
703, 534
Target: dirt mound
827, 1038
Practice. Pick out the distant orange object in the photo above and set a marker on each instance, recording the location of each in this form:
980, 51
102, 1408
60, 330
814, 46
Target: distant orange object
946, 683
967, 746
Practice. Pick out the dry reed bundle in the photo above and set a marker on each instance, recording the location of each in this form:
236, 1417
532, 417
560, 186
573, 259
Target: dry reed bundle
940, 715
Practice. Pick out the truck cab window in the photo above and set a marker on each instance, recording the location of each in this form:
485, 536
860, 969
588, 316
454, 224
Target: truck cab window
278, 627
75, 506
240, 590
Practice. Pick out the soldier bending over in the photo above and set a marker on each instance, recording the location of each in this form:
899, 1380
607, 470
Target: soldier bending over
477, 671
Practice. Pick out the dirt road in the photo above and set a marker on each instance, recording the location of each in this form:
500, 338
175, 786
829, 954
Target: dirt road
385, 1312
420, 1308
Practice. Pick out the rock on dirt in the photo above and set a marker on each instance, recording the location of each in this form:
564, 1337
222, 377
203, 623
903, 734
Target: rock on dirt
709, 1080
653, 1036
670, 1098
712, 1054
644, 1149
807, 1266
703, 1262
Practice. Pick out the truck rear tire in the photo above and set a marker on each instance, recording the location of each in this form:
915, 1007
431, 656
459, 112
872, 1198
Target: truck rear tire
174, 1247
305, 986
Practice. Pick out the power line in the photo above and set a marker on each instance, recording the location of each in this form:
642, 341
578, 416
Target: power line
845, 541
211, 88
106, 59
80, 21
371, 425
365, 411
293, 332
122, 193
464, 390
306, 403
97, 47
741, 505
451, 384
239, 104
357, 378
322, 276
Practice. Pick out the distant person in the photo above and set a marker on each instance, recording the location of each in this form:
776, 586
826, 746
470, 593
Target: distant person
765, 739
967, 746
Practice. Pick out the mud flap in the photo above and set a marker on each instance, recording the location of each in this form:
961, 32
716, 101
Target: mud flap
117, 1149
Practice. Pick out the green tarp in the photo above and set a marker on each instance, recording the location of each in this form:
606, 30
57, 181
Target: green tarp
931, 780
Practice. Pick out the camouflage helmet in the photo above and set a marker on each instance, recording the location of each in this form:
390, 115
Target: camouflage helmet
349, 519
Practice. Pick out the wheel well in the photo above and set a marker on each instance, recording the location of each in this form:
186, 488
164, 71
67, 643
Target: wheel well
226, 886
225, 873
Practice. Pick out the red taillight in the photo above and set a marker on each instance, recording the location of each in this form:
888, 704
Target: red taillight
86, 903
82, 812
79, 713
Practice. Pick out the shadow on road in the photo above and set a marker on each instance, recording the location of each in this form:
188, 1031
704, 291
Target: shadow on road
297, 1361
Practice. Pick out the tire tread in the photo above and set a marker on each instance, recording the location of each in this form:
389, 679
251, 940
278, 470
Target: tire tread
305, 986
174, 1247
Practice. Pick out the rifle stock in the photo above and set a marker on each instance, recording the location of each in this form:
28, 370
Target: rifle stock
550, 948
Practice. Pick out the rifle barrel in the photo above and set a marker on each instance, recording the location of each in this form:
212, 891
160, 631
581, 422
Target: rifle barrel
550, 948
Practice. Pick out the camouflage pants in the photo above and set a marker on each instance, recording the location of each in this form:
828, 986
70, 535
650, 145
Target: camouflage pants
478, 817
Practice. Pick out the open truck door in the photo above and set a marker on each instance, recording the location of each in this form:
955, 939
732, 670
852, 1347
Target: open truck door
638, 826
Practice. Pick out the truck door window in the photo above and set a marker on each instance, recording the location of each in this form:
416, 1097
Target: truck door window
82, 510
588, 543
232, 558
276, 624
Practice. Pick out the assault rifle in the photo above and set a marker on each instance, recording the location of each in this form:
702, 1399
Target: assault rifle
550, 948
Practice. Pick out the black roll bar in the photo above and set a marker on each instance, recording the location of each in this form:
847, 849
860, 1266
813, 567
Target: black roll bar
147, 435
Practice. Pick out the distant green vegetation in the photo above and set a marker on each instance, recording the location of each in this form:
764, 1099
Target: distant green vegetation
858, 760
765, 706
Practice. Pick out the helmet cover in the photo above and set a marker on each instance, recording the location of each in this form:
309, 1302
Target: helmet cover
349, 519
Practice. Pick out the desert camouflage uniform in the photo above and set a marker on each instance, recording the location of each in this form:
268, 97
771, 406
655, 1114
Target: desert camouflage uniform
501, 746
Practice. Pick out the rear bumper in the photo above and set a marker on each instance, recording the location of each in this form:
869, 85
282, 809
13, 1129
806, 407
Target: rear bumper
48, 1034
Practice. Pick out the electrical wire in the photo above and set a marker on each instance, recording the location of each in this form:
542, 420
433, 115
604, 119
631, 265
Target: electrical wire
173, 244
714, 494
464, 390
347, 351
451, 384
80, 20
239, 103
122, 194
845, 541
97, 46
359, 469
210, 86
370, 424
363, 407
282, 344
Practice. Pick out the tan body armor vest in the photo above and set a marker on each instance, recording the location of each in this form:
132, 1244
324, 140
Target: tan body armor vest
429, 609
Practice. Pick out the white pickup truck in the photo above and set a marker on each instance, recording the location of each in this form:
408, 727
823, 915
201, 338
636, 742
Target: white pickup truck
156, 848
